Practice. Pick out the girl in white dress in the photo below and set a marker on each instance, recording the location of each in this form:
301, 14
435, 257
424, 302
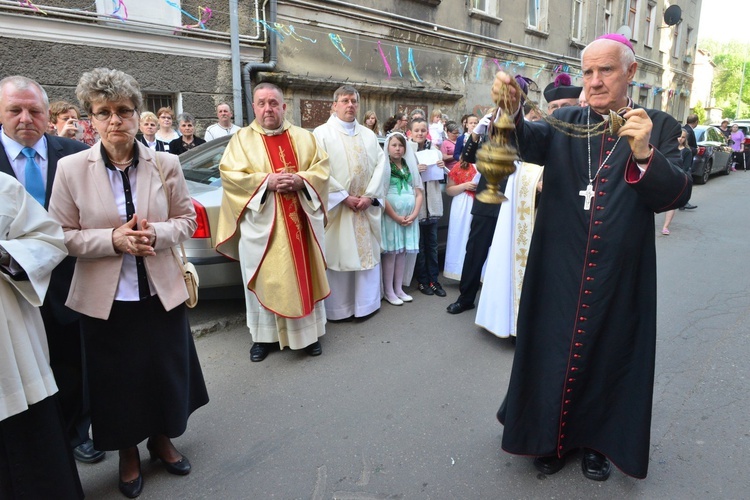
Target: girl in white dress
400, 235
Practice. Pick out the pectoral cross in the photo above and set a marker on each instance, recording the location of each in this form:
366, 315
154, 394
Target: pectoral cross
588, 193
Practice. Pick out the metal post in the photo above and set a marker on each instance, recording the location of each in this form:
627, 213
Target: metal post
234, 32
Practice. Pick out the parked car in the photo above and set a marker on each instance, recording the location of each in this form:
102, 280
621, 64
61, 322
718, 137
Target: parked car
714, 154
220, 276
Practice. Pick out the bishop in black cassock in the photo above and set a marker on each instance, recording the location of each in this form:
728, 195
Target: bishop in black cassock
583, 370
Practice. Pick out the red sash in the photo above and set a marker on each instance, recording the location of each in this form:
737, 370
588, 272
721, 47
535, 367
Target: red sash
280, 151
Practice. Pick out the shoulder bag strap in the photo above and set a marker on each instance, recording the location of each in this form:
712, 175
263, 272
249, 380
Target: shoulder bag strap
166, 194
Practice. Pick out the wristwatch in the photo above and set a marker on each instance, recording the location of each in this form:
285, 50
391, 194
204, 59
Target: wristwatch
375, 202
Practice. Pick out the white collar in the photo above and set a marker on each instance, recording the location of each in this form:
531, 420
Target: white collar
13, 148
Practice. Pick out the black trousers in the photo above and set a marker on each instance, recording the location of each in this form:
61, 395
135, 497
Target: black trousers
477, 247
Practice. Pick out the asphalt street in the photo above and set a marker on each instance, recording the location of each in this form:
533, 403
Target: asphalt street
402, 405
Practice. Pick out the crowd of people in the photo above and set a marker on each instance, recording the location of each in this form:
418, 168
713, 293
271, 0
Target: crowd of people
326, 225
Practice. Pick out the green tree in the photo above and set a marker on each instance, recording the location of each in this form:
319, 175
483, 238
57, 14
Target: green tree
700, 111
730, 60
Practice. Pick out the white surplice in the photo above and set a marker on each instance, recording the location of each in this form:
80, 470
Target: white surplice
36, 245
352, 239
501, 290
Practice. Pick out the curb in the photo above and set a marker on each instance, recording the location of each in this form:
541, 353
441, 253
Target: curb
207, 327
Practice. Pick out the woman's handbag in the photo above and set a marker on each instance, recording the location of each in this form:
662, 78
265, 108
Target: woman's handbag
189, 273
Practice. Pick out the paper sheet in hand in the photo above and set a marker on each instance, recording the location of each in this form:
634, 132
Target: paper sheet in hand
430, 157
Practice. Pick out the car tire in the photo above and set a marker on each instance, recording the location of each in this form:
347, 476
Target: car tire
701, 177
707, 171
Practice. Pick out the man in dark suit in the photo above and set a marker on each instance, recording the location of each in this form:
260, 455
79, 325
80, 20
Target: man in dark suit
31, 155
690, 124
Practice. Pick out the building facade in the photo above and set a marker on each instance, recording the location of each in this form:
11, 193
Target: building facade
178, 50
433, 53
400, 55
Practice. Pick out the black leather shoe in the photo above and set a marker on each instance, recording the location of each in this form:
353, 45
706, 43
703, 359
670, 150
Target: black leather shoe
133, 488
595, 466
688, 206
314, 349
425, 289
549, 465
259, 351
86, 453
457, 307
437, 289
179, 468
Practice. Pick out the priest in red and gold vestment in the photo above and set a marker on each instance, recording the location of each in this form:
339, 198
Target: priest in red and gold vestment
273, 212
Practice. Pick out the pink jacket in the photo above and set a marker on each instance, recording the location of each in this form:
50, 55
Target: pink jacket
83, 203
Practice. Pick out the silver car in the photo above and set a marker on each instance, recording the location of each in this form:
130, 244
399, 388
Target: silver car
219, 276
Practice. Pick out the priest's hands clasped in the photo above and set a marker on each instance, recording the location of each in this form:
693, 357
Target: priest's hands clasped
285, 183
128, 239
357, 203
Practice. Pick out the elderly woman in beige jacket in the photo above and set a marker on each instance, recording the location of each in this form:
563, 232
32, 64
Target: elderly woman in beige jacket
122, 223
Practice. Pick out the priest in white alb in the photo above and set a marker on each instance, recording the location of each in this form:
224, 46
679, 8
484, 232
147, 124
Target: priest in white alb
36, 460
273, 212
355, 206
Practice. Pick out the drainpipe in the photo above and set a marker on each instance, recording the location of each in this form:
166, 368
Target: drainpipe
234, 30
251, 68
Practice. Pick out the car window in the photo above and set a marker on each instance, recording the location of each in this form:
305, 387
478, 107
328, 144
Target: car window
699, 134
714, 135
204, 168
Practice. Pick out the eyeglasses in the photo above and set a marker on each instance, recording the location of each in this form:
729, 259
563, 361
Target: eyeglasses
105, 114
346, 100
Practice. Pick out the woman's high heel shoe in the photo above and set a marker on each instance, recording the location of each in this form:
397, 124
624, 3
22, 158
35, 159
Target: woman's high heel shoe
180, 468
133, 488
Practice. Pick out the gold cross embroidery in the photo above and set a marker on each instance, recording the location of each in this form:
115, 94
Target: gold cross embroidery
288, 167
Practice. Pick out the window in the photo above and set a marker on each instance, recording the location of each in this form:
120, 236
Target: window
537, 18
168, 14
608, 16
152, 102
643, 97
650, 25
687, 42
677, 40
488, 7
633, 18
577, 31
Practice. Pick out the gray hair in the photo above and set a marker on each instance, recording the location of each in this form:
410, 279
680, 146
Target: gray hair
104, 84
266, 85
23, 83
417, 111
345, 90
627, 56
186, 117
